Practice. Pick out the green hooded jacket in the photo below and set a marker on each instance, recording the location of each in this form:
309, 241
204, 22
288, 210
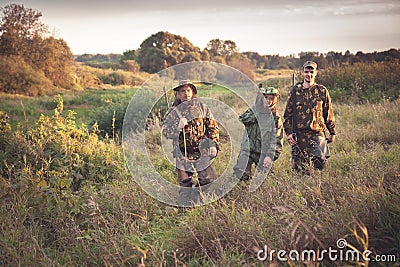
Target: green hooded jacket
260, 136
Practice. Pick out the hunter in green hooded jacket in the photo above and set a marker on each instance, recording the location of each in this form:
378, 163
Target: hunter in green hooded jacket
262, 142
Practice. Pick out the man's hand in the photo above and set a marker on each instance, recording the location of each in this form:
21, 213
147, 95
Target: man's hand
213, 151
331, 139
291, 139
267, 161
182, 123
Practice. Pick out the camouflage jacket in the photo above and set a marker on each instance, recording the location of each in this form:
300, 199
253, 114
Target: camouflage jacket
261, 139
200, 132
313, 110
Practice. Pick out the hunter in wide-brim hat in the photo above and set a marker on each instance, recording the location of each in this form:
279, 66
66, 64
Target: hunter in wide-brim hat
186, 82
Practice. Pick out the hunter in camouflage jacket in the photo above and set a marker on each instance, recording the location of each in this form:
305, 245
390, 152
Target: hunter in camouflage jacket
200, 132
308, 114
194, 131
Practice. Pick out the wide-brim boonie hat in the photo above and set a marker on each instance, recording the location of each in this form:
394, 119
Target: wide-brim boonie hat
186, 82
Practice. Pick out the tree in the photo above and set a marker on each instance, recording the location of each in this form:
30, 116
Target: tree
217, 47
152, 59
20, 28
55, 60
243, 64
129, 61
191, 56
205, 56
164, 49
25, 37
304, 56
214, 47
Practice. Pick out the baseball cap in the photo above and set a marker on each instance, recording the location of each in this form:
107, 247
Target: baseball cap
310, 64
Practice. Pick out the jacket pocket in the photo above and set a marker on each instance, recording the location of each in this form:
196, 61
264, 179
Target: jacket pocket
318, 123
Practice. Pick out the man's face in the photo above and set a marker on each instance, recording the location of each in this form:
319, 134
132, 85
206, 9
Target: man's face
309, 74
185, 93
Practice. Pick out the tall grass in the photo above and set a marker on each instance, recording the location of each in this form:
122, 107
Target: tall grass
363, 82
67, 199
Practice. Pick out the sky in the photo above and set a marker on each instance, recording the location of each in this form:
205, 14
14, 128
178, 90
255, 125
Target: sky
284, 27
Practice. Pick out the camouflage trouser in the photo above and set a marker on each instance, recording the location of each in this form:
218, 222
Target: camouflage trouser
191, 187
311, 149
245, 161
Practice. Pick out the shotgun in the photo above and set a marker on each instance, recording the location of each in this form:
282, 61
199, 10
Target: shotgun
166, 96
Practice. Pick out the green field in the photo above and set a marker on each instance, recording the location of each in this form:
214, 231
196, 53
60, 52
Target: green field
84, 103
67, 198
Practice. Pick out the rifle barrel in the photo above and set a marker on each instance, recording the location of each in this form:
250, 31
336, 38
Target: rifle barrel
293, 78
166, 96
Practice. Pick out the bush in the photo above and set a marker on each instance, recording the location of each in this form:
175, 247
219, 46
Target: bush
89, 77
86, 78
103, 65
18, 77
131, 65
372, 81
59, 155
120, 77
59, 189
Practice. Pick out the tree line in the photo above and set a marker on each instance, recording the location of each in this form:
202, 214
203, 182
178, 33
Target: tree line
33, 62
164, 49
